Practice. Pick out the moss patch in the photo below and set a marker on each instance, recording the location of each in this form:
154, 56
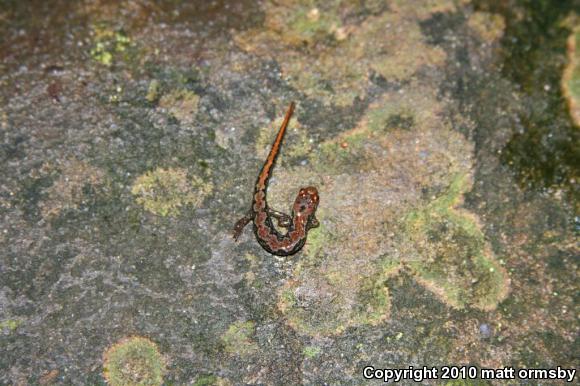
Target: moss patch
345, 154
133, 361
153, 91
181, 104
317, 237
109, 44
489, 27
164, 191
571, 77
305, 21
455, 261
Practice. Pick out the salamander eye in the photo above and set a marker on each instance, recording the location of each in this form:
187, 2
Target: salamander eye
302, 208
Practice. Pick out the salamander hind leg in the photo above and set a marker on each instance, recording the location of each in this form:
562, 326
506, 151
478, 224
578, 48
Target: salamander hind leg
284, 220
241, 224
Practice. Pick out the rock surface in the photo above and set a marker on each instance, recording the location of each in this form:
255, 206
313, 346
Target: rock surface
131, 134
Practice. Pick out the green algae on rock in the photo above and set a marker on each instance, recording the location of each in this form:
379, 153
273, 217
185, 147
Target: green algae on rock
571, 77
238, 338
164, 191
133, 361
454, 260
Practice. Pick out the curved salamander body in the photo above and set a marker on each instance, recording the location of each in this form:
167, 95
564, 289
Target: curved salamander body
303, 211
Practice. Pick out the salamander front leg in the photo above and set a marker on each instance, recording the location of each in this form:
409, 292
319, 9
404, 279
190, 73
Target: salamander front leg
313, 223
241, 224
284, 220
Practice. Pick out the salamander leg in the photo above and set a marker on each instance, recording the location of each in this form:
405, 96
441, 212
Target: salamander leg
284, 220
241, 224
313, 223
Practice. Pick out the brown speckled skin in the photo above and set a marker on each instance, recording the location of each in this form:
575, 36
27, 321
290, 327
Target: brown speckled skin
303, 211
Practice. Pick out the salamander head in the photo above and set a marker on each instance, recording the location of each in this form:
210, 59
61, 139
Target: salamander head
306, 203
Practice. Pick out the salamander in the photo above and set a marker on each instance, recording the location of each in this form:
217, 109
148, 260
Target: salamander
303, 210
